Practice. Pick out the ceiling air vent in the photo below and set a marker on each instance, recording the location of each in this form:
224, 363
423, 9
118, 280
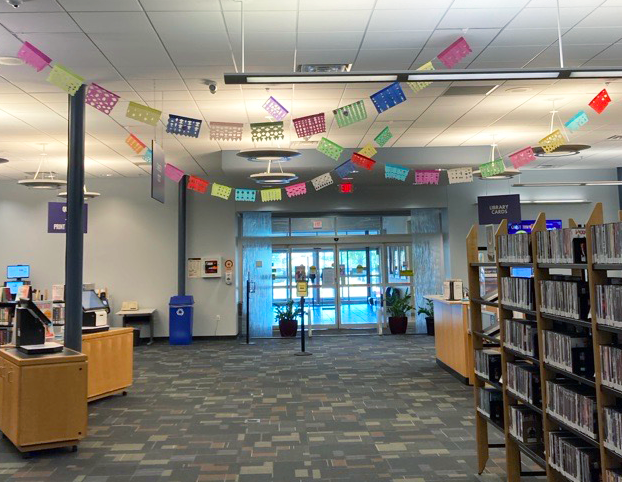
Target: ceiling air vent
324, 68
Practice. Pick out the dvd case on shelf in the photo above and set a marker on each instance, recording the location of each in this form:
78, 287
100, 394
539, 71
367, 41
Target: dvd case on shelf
609, 305
517, 293
562, 246
569, 352
515, 248
613, 430
525, 424
521, 337
573, 457
490, 403
607, 243
523, 381
611, 366
570, 299
488, 364
613, 475
573, 404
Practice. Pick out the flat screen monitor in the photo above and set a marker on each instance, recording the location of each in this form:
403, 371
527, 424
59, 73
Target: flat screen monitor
526, 225
18, 271
90, 301
522, 272
13, 286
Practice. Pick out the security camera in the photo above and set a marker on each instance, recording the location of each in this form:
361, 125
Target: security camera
211, 84
14, 3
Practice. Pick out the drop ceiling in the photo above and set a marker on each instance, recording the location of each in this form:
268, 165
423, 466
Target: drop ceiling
159, 51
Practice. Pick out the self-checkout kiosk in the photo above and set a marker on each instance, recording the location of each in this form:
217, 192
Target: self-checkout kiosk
30, 325
94, 312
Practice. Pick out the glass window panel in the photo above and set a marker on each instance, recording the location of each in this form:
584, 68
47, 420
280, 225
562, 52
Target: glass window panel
280, 226
395, 224
358, 225
320, 226
398, 259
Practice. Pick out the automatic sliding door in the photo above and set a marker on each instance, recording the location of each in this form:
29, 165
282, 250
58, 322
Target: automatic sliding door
360, 286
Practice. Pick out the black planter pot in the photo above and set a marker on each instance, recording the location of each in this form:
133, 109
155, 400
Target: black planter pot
288, 328
398, 325
429, 325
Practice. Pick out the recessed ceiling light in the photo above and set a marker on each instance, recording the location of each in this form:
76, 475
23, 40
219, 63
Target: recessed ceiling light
11, 61
518, 90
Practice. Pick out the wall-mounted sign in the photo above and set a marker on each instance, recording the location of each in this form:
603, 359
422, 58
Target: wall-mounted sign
494, 209
158, 164
317, 224
210, 267
302, 288
194, 267
406, 272
57, 217
229, 271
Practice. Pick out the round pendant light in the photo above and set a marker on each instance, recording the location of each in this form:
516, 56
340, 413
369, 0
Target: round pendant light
87, 194
269, 154
43, 179
562, 151
509, 173
274, 178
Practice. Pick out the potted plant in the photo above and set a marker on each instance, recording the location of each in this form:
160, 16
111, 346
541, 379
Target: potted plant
287, 315
398, 307
427, 309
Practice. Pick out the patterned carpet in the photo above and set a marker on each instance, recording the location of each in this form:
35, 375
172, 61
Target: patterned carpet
362, 408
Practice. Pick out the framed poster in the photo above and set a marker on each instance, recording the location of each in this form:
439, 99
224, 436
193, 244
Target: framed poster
157, 172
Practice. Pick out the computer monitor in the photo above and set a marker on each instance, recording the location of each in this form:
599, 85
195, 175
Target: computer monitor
13, 286
91, 302
522, 272
18, 271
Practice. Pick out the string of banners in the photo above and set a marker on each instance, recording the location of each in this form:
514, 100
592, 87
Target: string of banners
390, 96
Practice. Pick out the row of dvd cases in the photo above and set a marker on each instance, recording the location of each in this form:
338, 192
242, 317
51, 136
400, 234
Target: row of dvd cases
551, 381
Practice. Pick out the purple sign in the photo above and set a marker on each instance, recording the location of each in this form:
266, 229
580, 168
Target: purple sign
57, 217
494, 209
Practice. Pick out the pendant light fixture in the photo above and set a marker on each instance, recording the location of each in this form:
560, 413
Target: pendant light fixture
273, 178
44, 178
87, 194
271, 155
508, 173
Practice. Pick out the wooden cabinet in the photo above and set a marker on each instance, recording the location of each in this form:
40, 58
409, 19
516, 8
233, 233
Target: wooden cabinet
43, 398
110, 355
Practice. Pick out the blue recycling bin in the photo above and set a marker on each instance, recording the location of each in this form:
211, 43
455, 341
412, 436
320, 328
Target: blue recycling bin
180, 320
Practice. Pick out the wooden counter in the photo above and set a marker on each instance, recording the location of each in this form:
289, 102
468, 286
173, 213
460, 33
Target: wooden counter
111, 361
452, 338
43, 399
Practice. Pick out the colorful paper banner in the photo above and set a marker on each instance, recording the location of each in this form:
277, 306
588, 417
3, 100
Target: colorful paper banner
103, 100
65, 79
330, 148
454, 53
427, 176
388, 97
268, 195
267, 131
197, 184
225, 131
601, 101
246, 195
32, 56
148, 156
310, 125
143, 113
522, 157
183, 126
551, 142
294, 190
173, 173
218, 190
492, 168
350, 114
459, 175
322, 181
275, 109
344, 170
363, 161
368, 151
393, 171
135, 143
383, 137
577, 121
417, 86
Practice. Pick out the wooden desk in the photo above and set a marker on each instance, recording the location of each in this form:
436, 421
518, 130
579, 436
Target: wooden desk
144, 315
111, 361
43, 399
452, 337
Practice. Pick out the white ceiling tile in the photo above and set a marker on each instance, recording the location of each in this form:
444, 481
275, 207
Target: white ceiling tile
522, 54
330, 4
38, 22
326, 57
592, 35
603, 17
112, 22
396, 39
478, 18
100, 6
335, 20
330, 40
261, 21
409, 4
479, 37
185, 6
391, 20
547, 17
517, 37
395, 59
41, 6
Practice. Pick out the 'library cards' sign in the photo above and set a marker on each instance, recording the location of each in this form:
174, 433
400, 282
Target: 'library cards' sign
494, 209
57, 217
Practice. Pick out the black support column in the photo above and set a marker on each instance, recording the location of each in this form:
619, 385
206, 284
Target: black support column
74, 246
181, 237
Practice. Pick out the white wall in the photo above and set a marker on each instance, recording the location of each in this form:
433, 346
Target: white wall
131, 247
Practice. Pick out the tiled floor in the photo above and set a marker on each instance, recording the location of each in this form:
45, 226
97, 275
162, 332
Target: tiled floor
362, 408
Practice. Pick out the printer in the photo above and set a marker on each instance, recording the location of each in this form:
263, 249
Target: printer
94, 312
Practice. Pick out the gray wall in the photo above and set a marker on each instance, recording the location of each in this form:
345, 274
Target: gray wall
131, 247
132, 241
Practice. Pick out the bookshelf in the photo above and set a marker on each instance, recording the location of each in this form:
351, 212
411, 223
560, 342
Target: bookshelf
605, 396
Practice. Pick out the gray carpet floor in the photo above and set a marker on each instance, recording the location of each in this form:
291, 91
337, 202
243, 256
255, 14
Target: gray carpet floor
362, 408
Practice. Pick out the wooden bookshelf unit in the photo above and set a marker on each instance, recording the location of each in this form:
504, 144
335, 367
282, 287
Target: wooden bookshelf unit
595, 274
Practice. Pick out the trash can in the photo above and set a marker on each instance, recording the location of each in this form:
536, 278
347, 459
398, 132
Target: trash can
180, 320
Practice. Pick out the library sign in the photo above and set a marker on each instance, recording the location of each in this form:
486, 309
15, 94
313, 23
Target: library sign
494, 209
57, 217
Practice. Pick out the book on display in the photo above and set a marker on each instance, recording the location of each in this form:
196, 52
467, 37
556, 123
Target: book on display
488, 364
525, 424
573, 457
609, 305
490, 403
570, 299
607, 243
611, 366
